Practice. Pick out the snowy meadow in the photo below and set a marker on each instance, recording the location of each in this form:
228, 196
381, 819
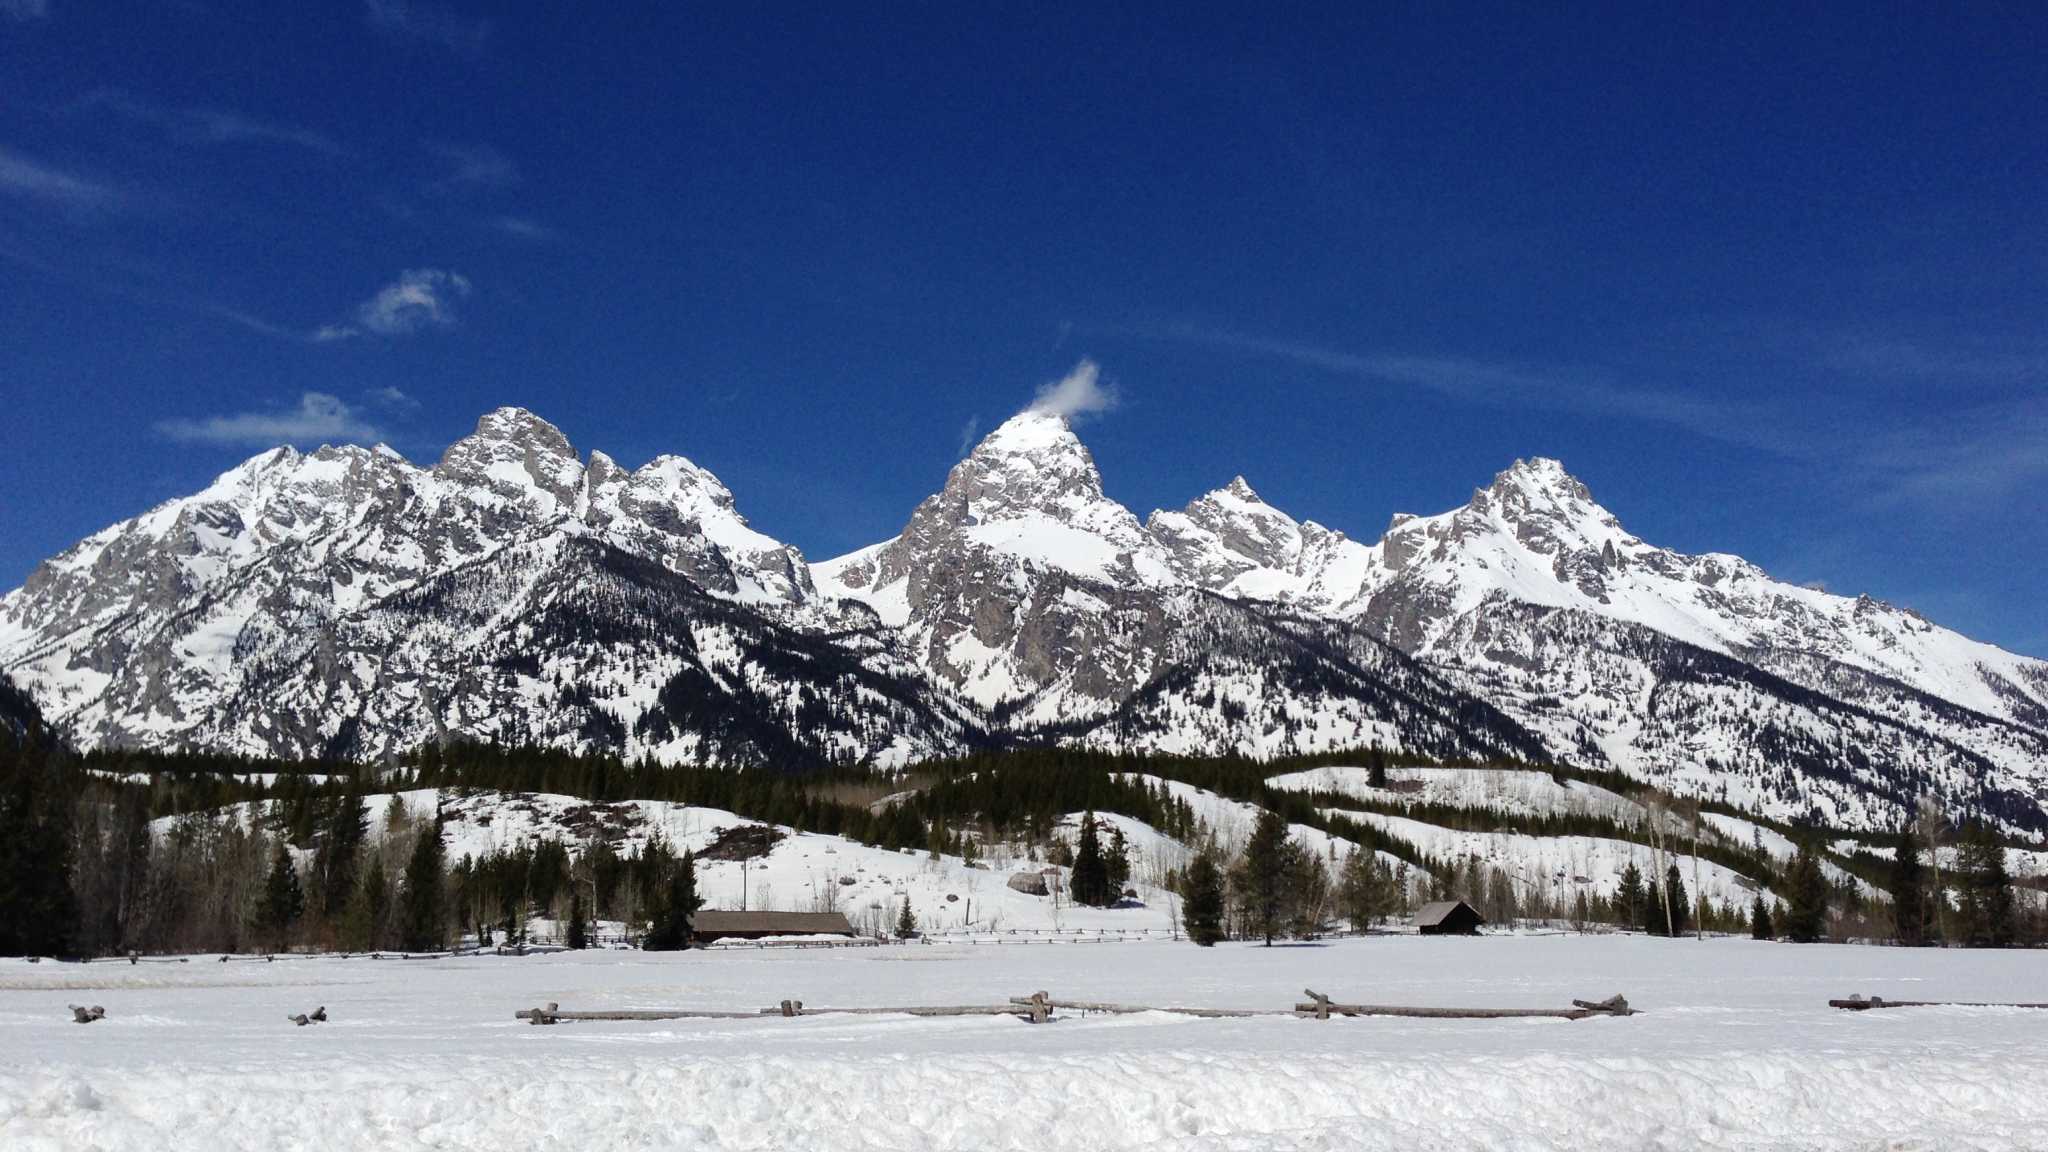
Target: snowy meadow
1734, 1046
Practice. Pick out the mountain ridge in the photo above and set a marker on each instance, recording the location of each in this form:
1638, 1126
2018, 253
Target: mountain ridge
279, 610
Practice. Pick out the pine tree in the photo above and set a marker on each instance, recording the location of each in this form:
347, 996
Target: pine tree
1806, 919
38, 912
1908, 890
679, 908
284, 900
1202, 895
341, 841
906, 921
1760, 919
1987, 898
366, 919
1265, 876
1674, 891
1628, 900
1116, 861
423, 919
1089, 883
579, 937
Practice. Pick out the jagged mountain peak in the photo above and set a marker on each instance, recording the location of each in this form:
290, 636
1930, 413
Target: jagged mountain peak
518, 455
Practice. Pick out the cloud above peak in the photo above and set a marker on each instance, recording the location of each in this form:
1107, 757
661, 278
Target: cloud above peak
21, 176
1080, 392
318, 418
419, 298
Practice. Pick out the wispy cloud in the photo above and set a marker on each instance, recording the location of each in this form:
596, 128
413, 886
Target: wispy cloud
1979, 453
426, 23
210, 125
1890, 357
521, 228
34, 180
471, 166
419, 298
1078, 393
967, 432
1976, 453
318, 418
25, 10
1481, 381
393, 399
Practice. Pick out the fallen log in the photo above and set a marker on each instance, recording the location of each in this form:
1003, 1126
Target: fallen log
1860, 1004
1321, 1007
1111, 1009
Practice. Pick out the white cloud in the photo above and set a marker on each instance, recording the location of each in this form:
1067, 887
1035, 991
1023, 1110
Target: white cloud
474, 164
967, 432
419, 298
25, 10
522, 228
319, 418
393, 399
429, 24
1078, 393
208, 125
24, 177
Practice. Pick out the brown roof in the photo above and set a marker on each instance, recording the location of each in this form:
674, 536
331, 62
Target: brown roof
776, 923
1430, 915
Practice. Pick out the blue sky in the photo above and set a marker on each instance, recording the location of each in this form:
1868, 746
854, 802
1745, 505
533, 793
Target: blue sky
1769, 284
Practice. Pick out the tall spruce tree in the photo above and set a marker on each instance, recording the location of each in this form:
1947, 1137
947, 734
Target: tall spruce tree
1202, 899
1629, 901
1908, 889
1116, 862
1681, 905
423, 920
1987, 898
1806, 915
284, 899
341, 841
906, 921
38, 912
1760, 919
679, 907
1089, 883
1266, 872
579, 931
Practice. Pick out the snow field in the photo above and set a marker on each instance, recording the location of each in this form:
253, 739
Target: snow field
1735, 1048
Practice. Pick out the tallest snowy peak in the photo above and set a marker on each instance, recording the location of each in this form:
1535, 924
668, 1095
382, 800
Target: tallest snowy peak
1030, 433
1540, 479
517, 426
515, 452
1032, 460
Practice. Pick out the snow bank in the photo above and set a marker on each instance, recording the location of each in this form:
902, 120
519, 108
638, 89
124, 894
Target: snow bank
1735, 1049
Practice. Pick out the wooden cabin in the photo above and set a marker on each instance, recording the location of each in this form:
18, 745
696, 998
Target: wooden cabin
708, 925
1448, 918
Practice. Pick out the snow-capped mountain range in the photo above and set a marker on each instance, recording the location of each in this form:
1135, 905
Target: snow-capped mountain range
347, 602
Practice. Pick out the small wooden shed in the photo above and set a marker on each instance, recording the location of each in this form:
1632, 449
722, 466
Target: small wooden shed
709, 925
1448, 918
